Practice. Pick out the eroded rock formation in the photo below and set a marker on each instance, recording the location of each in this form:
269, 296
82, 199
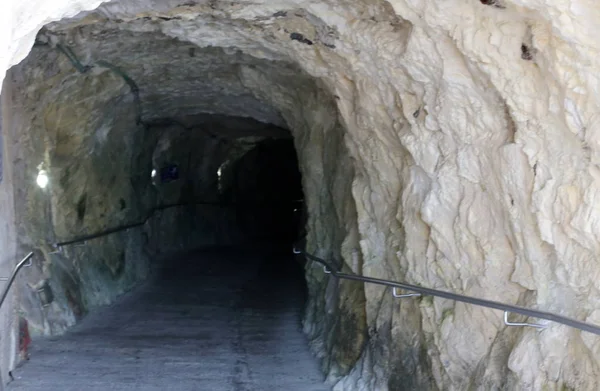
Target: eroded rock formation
450, 144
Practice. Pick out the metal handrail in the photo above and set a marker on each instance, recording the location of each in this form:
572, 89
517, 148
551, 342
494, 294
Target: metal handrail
149, 214
124, 227
329, 269
12, 277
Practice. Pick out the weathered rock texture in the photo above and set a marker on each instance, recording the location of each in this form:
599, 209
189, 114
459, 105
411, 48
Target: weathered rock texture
451, 144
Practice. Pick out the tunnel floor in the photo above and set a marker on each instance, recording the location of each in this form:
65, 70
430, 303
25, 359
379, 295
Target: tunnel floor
213, 320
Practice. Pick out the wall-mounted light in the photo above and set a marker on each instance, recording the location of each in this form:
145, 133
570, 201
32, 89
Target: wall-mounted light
153, 174
220, 174
42, 179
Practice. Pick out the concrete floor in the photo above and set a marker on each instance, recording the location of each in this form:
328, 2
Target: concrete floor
215, 320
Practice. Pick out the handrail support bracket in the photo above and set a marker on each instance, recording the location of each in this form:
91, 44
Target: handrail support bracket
512, 324
400, 296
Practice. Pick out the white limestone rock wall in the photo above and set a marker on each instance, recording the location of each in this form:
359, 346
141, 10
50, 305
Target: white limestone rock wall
471, 129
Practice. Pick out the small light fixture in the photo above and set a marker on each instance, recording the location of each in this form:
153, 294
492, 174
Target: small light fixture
153, 174
42, 179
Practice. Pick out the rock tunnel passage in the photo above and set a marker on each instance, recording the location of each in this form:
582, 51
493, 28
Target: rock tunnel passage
449, 144
220, 319
163, 146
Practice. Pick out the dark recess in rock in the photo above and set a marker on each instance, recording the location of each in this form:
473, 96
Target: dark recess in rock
416, 113
192, 52
280, 14
300, 38
494, 3
81, 207
526, 53
122, 204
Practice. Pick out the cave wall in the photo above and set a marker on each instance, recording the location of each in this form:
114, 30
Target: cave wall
87, 146
466, 134
9, 252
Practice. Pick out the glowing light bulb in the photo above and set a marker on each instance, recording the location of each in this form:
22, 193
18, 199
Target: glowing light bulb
42, 179
153, 174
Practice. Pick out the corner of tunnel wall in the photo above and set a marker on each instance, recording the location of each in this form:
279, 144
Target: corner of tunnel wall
8, 240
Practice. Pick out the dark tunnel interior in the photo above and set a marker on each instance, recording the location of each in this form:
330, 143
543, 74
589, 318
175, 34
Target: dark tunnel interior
262, 189
267, 193
259, 189
167, 233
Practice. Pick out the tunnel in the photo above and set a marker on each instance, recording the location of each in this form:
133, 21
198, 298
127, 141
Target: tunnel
202, 208
299, 195
165, 186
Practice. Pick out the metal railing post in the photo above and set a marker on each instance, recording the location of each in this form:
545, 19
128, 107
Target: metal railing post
536, 325
399, 296
24, 262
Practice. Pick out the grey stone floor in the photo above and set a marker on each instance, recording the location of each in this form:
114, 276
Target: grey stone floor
215, 320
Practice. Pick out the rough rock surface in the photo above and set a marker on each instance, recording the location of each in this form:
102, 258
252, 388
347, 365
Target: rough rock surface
450, 144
